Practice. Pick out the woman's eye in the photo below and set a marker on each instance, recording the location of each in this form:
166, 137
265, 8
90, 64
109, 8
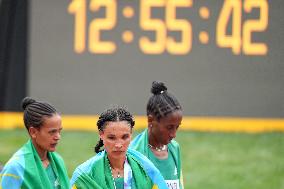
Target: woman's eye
125, 137
52, 132
170, 127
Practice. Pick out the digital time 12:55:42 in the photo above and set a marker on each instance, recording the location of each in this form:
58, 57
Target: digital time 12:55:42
239, 39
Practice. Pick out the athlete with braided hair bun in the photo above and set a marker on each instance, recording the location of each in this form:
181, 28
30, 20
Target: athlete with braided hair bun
36, 164
115, 166
164, 114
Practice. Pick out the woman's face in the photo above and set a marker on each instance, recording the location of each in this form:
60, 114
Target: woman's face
48, 135
164, 130
116, 137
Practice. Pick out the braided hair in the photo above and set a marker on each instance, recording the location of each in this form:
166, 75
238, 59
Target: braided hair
35, 111
113, 115
161, 103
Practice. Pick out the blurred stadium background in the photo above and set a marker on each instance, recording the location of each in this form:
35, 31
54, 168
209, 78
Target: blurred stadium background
222, 59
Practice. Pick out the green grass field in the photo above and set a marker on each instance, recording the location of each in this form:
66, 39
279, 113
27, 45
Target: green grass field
210, 160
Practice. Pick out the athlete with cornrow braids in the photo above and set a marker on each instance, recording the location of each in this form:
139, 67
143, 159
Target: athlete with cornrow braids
36, 164
157, 142
115, 166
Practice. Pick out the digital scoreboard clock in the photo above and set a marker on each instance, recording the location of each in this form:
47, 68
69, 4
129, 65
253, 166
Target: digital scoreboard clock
234, 28
219, 57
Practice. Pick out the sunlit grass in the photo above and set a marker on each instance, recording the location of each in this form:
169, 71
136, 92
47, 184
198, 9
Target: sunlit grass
210, 160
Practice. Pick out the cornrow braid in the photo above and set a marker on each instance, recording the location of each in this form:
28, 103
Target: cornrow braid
113, 115
162, 102
35, 111
98, 146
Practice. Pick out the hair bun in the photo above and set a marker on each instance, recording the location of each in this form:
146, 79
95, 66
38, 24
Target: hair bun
27, 101
158, 87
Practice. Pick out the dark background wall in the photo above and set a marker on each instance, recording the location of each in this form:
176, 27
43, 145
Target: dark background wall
208, 80
13, 53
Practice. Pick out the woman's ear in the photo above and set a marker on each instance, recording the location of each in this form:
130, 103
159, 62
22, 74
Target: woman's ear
33, 132
101, 133
150, 119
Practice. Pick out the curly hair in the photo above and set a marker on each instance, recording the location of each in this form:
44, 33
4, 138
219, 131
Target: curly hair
113, 115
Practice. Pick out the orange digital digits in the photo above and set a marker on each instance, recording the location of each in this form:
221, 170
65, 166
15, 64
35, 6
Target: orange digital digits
240, 38
233, 29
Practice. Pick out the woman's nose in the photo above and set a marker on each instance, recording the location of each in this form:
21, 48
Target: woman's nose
118, 145
57, 136
173, 134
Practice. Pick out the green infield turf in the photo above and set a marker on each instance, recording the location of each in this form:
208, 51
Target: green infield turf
210, 160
